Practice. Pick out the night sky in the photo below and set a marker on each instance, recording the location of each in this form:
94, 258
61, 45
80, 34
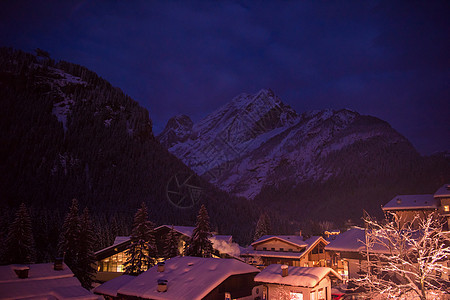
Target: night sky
389, 59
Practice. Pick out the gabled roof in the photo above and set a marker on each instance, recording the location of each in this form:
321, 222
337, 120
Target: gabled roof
353, 240
295, 240
187, 278
443, 191
412, 202
184, 230
43, 282
297, 276
111, 287
312, 242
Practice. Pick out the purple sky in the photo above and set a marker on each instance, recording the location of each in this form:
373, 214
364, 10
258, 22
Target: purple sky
389, 59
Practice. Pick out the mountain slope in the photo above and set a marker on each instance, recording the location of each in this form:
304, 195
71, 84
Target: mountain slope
256, 145
67, 133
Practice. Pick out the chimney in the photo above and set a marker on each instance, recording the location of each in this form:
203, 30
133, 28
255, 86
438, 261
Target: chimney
284, 271
399, 201
162, 285
161, 266
300, 232
21, 271
58, 265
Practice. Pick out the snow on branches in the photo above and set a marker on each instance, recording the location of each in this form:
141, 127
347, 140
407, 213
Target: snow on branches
406, 259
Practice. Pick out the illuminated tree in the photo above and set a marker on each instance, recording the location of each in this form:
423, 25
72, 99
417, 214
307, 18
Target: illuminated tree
406, 261
142, 250
171, 244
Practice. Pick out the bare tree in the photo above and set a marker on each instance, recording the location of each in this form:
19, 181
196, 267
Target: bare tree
402, 260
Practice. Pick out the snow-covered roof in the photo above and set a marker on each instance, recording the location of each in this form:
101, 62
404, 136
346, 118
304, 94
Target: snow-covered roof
296, 240
353, 240
187, 278
267, 253
36, 272
111, 287
185, 230
43, 282
120, 240
443, 191
297, 276
409, 202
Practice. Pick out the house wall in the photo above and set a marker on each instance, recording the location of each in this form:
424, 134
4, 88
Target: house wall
283, 292
277, 244
407, 216
239, 286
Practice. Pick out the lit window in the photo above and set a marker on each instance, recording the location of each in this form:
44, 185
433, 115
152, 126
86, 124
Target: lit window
296, 296
446, 208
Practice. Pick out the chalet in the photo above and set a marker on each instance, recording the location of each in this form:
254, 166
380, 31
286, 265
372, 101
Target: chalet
345, 252
187, 278
290, 250
442, 195
406, 207
41, 281
282, 282
110, 260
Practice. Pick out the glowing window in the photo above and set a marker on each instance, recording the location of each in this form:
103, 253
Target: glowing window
446, 208
296, 296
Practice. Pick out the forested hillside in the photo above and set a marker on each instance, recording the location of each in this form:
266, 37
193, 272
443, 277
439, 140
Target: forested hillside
67, 133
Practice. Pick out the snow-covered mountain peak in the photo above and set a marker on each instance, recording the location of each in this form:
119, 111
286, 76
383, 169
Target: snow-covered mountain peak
256, 140
178, 129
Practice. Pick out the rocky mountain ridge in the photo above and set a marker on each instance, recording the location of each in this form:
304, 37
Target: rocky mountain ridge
257, 140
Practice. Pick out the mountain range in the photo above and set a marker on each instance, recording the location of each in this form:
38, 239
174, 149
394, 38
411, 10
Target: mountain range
68, 133
256, 146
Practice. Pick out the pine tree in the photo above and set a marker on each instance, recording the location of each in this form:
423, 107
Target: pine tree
86, 257
262, 227
70, 238
200, 245
142, 251
19, 244
171, 244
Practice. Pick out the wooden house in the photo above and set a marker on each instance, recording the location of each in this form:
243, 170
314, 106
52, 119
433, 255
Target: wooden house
110, 260
291, 250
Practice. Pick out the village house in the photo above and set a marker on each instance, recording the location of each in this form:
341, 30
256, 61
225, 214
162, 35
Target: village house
110, 260
290, 250
345, 253
407, 207
41, 281
189, 278
280, 282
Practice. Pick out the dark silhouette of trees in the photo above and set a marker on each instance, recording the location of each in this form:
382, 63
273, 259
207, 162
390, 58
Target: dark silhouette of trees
19, 244
199, 244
